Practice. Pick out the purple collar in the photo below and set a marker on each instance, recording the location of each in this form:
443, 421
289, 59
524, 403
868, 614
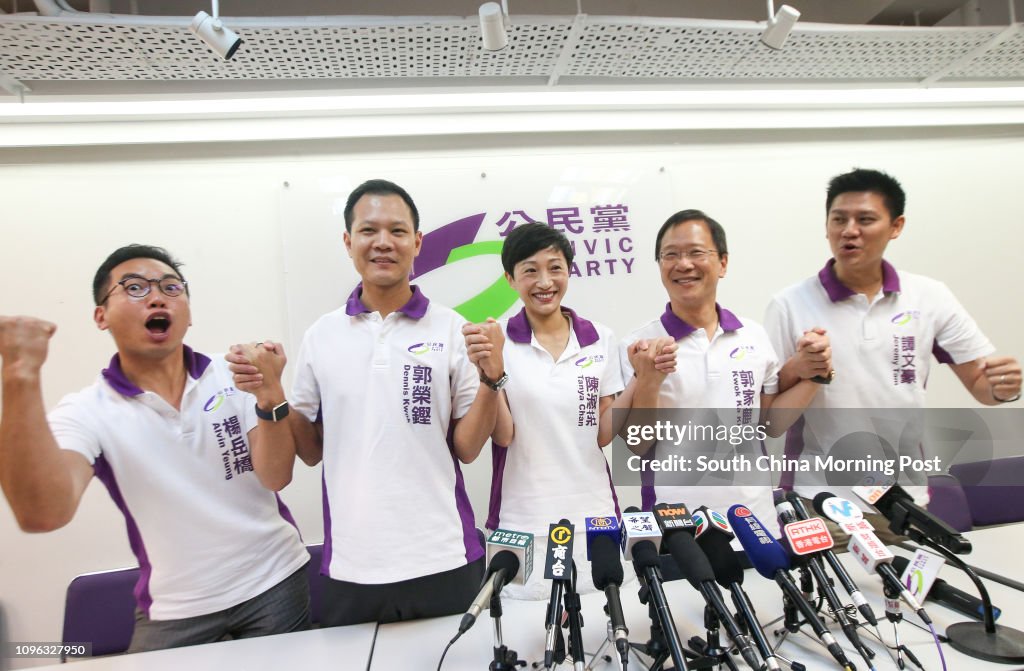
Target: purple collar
679, 329
837, 291
415, 307
195, 364
519, 330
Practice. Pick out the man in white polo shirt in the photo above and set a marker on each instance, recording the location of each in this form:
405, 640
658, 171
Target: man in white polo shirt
884, 327
723, 363
387, 399
170, 437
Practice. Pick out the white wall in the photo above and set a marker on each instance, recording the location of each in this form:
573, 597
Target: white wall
218, 207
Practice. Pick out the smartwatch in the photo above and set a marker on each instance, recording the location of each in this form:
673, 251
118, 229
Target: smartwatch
276, 414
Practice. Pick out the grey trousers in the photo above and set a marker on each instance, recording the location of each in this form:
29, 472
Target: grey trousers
282, 608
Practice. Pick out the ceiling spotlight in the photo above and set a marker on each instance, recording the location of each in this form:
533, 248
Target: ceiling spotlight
492, 25
211, 30
780, 24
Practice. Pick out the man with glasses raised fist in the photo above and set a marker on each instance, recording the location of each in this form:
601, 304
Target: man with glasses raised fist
171, 438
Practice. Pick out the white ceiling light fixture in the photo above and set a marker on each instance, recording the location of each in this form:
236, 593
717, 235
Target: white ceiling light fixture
780, 24
212, 31
492, 25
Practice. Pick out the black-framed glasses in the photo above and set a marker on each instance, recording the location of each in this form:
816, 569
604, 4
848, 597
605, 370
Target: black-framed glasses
139, 287
694, 255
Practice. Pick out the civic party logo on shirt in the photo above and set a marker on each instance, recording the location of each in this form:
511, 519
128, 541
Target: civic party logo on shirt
217, 399
904, 318
740, 352
424, 347
587, 361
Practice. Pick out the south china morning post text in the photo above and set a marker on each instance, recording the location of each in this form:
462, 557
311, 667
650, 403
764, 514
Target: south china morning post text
683, 447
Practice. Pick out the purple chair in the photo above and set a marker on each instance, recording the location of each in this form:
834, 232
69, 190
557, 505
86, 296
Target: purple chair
949, 502
100, 609
994, 489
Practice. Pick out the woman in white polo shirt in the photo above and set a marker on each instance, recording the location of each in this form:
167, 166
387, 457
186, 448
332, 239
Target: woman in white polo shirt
563, 376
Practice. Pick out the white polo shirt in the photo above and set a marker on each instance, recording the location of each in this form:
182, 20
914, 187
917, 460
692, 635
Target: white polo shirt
730, 371
395, 505
206, 533
554, 467
881, 352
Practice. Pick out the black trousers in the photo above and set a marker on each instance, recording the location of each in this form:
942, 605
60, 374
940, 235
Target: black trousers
445, 593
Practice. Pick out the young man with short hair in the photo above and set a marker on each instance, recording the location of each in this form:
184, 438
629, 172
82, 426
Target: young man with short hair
884, 326
170, 437
386, 397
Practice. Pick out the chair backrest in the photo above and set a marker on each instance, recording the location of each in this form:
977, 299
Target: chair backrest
100, 609
949, 502
994, 489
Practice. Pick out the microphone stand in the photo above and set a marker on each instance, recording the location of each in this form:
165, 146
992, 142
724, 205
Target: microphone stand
575, 617
747, 619
710, 650
504, 659
609, 642
982, 640
661, 645
554, 646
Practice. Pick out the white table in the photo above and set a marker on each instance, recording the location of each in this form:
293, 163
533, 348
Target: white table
418, 645
337, 647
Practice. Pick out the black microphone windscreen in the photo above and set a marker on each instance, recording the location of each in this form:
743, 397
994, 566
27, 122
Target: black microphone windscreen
900, 564
605, 566
645, 555
506, 559
631, 510
691, 559
819, 502
723, 559
778, 496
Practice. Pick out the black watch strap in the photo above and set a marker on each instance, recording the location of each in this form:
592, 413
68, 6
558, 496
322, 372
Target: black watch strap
276, 414
495, 385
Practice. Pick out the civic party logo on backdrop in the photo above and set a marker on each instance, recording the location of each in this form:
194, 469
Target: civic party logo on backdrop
600, 236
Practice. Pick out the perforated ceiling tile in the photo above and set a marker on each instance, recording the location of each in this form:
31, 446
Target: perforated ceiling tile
1002, 61
862, 56
449, 50
644, 50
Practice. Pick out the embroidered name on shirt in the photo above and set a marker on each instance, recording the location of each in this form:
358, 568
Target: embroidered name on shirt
586, 390
743, 394
235, 451
416, 393
904, 352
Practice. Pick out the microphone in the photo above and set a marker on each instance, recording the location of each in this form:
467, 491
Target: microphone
772, 561
677, 526
640, 535
557, 569
833, 561
909, 519
943, 593
867, 548
507, 552
501, 569
603, 536
811, 538
713, 535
